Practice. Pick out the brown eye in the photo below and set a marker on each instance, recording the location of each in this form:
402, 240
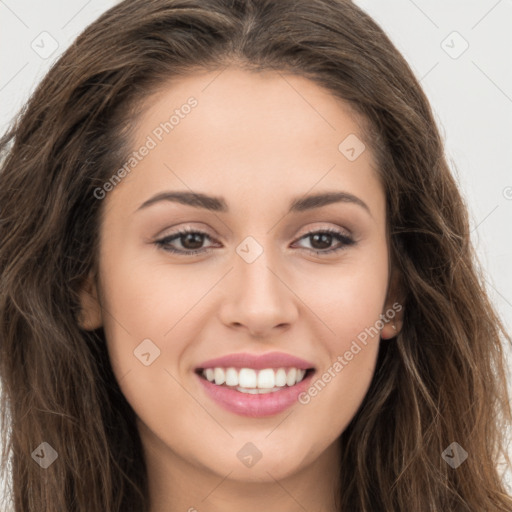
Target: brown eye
321, 241
191, 242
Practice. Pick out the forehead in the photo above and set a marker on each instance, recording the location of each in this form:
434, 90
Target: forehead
249, 136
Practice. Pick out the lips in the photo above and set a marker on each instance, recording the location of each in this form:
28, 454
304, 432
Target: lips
257, 362
248, 400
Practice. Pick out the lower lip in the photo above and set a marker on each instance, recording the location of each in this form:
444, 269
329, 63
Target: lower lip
255, 406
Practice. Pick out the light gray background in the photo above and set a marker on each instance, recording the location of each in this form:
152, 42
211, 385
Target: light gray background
470, 92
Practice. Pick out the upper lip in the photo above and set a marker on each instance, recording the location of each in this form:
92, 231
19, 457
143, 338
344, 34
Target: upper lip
257, 362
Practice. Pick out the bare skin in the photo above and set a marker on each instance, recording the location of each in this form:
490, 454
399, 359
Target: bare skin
258, 141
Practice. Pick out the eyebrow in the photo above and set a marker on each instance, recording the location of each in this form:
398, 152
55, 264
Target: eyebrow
218, 204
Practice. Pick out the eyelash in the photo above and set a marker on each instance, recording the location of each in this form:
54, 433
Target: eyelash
164, 242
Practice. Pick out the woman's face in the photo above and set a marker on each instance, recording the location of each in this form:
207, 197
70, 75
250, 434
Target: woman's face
265, 278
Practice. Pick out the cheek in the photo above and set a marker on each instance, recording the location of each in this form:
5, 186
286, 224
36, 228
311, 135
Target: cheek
142, 290
350, 303
147, 331
154, 312
349, 298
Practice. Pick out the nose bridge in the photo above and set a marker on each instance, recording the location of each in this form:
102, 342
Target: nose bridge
258, 282
258, 299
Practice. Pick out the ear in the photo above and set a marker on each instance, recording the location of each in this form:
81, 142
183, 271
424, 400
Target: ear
393, 308
90, 316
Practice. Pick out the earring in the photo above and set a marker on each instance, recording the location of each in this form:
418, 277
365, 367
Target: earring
394, 326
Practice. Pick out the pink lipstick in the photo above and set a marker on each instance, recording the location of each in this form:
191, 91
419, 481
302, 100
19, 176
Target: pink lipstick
255, 385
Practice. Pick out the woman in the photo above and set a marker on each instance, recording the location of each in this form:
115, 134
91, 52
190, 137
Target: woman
236, 273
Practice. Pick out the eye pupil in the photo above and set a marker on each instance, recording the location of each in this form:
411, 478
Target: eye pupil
196, 240
325, 237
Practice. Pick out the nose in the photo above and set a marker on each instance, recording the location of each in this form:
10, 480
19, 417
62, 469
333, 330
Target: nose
258, 299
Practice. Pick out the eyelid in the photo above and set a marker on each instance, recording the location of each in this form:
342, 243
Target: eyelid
206, 231
316, 228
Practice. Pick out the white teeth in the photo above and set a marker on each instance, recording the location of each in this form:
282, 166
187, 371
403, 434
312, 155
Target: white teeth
231, 377
220, 376
281, 377
291, 377
257, 391
266, 379
248, 380
254, 391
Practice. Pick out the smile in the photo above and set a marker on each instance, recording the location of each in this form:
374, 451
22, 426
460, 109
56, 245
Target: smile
255, 385
249, 380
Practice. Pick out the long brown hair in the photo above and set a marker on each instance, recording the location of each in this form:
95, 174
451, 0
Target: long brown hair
441, 380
